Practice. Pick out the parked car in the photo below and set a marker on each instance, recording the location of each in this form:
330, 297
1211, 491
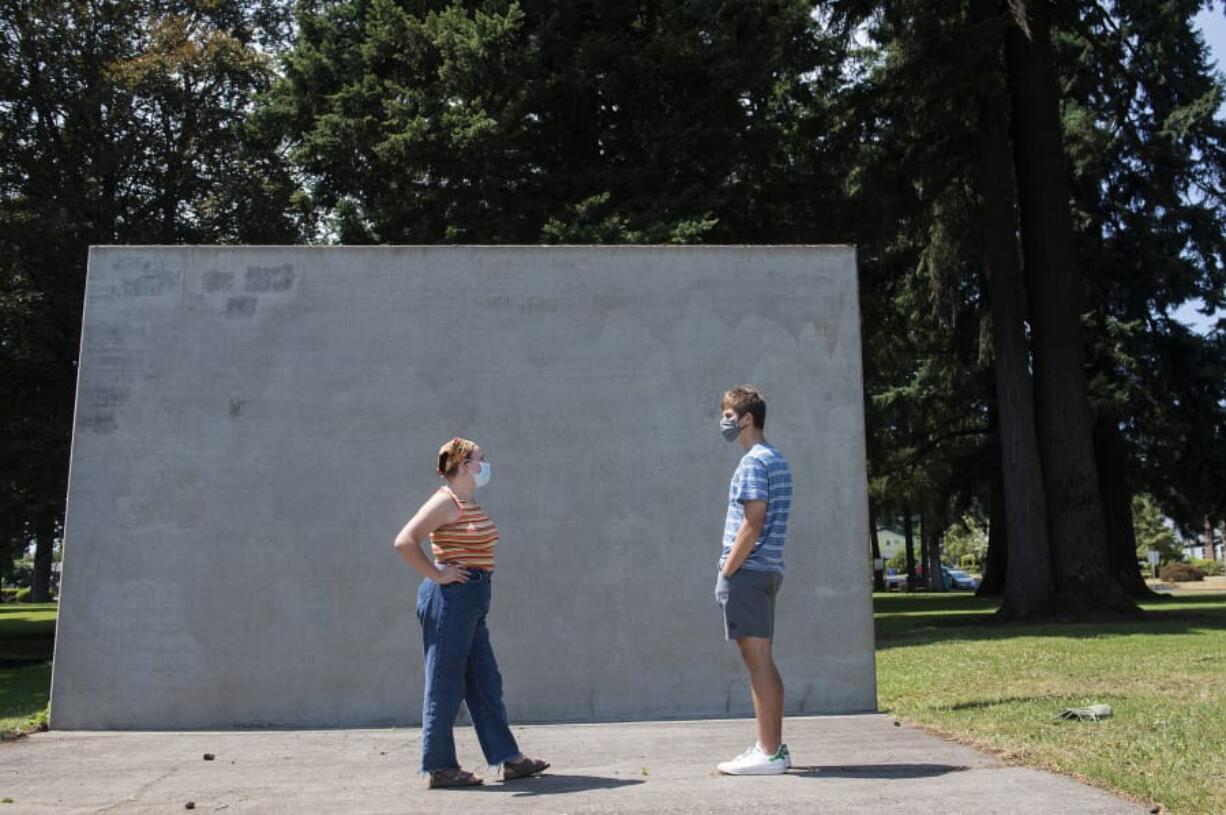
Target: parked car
957, 579
894, 581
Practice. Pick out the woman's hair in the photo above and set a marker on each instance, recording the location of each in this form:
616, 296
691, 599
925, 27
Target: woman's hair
452, 454
746, 399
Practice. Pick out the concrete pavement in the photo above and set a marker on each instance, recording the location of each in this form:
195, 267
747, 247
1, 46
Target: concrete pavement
843, 764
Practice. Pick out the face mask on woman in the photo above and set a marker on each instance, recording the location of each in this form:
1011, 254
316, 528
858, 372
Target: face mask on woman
483, 477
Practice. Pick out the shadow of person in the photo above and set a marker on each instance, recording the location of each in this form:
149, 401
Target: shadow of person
560, 784
551, 784
875, 770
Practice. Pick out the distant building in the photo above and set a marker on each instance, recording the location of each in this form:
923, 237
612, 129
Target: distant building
892, 541
1196, 548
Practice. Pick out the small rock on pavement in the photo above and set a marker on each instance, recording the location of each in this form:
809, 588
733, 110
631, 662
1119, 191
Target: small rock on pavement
209, 756
190, 805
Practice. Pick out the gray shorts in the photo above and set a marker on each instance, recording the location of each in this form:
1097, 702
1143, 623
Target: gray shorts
748, 602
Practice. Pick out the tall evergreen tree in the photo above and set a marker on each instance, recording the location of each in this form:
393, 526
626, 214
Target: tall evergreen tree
594, 121
1148, 151
910, 35
1022, 504
122, 122
1076, 519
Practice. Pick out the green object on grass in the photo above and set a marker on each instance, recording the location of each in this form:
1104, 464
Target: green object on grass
1093, 713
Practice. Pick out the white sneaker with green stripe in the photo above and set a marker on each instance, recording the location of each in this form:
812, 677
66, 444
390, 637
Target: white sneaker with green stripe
755, 761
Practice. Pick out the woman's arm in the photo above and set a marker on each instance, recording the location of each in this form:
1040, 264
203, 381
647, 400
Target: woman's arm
439, 509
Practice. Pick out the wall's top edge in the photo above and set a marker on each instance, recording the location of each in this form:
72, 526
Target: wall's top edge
471, 246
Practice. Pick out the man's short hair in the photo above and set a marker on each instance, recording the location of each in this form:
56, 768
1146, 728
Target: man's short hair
746, 399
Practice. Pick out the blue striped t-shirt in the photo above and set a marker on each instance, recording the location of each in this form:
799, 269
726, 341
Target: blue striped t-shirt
762, 475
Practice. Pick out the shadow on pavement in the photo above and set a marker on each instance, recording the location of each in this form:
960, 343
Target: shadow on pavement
551, 785
875, 770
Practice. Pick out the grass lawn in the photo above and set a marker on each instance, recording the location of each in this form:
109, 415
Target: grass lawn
943, 665
27, 634
23, 698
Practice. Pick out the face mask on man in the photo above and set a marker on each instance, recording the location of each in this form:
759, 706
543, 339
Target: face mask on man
730, 427
483, 477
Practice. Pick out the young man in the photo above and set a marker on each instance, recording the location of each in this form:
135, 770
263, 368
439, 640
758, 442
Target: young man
751, 569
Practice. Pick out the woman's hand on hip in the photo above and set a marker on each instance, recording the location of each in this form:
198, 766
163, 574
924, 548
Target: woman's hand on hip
450, 573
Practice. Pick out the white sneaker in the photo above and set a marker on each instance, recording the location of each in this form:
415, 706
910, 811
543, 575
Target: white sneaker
755, 762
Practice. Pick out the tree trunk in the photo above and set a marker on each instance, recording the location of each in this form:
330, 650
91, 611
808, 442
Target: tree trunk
932, 523
1028, 583
1117, 500
875, 550
995, 563
923, 559
909, 535
1076, 523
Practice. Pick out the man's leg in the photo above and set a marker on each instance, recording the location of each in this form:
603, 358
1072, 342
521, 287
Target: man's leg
767, 687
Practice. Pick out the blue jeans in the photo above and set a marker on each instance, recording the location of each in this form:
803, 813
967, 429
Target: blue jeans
460, 667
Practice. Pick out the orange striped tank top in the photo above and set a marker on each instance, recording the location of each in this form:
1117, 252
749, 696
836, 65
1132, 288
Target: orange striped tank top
469, 541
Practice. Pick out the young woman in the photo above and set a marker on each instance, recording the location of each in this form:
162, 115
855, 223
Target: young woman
452, 605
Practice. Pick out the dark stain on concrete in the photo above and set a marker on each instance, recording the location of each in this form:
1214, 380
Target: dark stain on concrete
216, 280
236, 406
240, 307
269, 278
606, 304
99, 405
99, 422
148, 285
107, 397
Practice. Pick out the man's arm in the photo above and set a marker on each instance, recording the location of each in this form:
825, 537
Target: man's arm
746, 536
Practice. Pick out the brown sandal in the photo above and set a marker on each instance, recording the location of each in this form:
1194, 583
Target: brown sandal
522, 769
454, 777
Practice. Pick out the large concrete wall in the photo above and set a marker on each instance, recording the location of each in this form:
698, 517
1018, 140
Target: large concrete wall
254, 425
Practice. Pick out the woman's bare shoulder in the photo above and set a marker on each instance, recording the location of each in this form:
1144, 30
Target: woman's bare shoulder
442, 504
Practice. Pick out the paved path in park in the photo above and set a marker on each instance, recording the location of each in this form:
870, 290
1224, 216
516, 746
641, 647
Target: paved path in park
844, 764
